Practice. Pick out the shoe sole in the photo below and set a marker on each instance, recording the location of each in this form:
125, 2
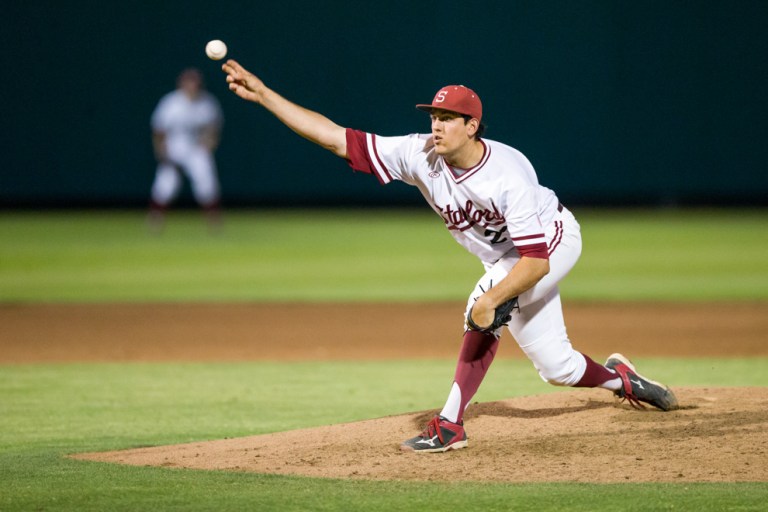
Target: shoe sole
672, 399
455, 446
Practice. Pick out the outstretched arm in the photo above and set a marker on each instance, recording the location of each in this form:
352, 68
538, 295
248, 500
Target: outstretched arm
310, 125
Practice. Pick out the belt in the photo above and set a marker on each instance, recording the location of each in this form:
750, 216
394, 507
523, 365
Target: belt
560, 207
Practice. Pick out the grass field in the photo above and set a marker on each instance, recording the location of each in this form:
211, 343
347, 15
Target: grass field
365, 255
50, 410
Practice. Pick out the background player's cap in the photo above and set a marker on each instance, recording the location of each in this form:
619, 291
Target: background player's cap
456, 98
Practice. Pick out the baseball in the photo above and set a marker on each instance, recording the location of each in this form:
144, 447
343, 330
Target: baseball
216, 49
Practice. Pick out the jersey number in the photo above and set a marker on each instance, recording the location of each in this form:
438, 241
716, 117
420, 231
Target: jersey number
496, 235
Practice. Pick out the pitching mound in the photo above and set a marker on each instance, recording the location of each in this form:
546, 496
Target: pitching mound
719, 434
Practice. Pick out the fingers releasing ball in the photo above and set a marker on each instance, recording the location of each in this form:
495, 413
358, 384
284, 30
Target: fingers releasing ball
216, 49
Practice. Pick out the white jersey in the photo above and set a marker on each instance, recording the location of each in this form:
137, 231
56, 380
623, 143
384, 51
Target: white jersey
182, 119
492, 209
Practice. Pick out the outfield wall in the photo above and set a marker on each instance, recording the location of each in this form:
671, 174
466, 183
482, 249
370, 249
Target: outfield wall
613, 102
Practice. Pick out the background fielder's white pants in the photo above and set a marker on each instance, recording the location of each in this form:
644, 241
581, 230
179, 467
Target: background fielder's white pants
199, 166
538, 326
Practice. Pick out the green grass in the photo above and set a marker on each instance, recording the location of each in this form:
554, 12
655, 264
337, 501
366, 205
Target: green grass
49, 411
262, 255
374, 255
672, 255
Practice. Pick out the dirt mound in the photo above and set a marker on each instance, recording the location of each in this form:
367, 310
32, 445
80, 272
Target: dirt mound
578, 436
583, 436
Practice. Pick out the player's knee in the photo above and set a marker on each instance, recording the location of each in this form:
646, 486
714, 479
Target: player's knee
567, 373
555, 378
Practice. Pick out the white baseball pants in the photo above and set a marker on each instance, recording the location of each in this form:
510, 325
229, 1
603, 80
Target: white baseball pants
198, 165
538, 325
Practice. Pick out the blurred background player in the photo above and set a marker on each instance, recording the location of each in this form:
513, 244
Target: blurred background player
186, 128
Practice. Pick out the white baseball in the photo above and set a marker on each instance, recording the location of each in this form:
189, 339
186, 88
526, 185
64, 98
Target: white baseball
216, 49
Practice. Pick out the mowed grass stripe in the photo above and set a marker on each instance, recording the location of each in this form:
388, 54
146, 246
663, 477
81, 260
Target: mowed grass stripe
370, 255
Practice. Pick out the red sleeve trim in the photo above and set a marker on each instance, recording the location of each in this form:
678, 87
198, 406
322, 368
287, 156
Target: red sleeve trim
379, 168
357, 155
363, 156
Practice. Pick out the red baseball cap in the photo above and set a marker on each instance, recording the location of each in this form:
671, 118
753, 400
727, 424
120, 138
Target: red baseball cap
456, 98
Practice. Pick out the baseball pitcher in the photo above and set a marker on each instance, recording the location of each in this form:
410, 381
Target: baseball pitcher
490, 199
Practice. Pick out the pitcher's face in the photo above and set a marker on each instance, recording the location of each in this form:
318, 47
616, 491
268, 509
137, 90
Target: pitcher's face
450, 132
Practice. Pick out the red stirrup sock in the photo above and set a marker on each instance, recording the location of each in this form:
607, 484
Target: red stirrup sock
595, 375
476, 355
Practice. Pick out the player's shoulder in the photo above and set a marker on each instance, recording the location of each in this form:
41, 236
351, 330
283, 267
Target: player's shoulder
423, 147
501, 146
424, 141
506, 153
166, 105
412, 143
174, 95
414, 138
170, 99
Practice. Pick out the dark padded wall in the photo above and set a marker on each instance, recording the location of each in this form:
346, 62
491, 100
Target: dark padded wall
614, 102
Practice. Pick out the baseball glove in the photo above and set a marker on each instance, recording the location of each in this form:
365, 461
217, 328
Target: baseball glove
502, 316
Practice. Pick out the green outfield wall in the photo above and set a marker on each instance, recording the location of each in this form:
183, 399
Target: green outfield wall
613, 101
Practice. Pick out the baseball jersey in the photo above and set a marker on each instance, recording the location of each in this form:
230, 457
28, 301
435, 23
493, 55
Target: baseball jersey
496, 207
183, 119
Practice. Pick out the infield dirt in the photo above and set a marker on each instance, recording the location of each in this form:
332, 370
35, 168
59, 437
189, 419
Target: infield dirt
719, 434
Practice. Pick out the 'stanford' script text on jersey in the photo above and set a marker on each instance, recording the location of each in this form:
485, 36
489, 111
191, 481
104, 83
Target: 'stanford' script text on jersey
493, 208
467, 216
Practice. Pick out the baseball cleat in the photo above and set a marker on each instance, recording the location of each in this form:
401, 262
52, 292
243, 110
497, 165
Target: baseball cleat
637, 389
440, 435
